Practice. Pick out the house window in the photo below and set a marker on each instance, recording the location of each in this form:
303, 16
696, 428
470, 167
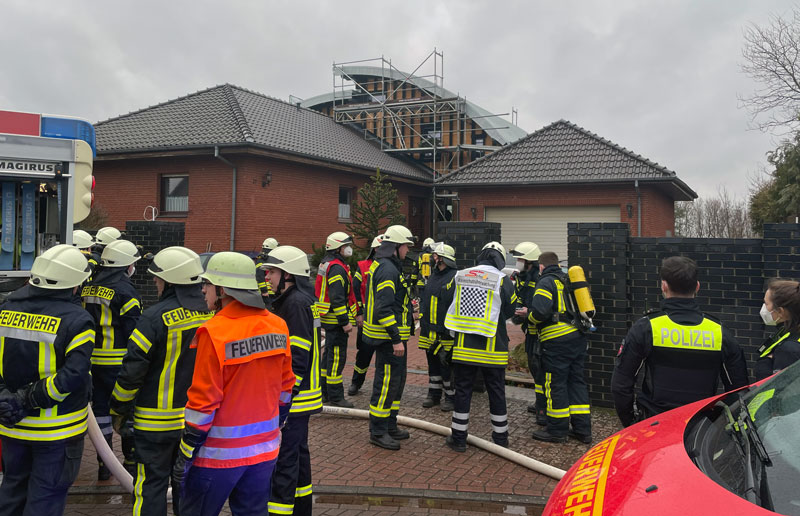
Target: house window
175, 194
345, 202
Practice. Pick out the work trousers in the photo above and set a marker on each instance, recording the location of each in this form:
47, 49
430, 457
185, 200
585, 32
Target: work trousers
533, 350
155, 453
495, 380
246, 488
291, 481
566, 394
334, 357
37, 476
364, 354
387, 389
440, 376
103, 380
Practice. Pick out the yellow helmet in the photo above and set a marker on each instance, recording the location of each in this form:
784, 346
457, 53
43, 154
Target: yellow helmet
337, 240
120, 253
289, 259
61, 266
107, 235
398, 234
527, 251
81, 239
177, 265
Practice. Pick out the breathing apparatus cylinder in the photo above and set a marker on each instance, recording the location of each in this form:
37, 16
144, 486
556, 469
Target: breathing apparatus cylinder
583, 298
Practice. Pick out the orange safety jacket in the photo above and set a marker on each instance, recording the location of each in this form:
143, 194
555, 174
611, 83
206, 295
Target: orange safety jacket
242, 377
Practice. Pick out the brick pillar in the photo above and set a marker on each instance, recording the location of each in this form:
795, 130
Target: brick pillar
153, 237
467, 238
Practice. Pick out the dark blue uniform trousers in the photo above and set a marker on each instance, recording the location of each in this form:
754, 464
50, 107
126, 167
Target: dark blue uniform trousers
291, 481
246, 488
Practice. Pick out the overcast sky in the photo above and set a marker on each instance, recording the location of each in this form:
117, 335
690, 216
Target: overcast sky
658, 77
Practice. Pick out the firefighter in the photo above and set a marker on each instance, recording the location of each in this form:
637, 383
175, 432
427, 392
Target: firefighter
338, 309
388, 324
423, 266
239, 397
157, 371
479, 301
363, 353
103, 237
114, 304
527, 255
563, 357
288, 272
47, 343
84, 241
266, 289
434, 338
681, 350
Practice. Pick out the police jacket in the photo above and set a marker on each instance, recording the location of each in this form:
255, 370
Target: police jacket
388, 316
157, 369
336, 297
548, 308
48, 339
297, 307
432, 312
115, 306
475, 349
525, 286
683, 353
778, 352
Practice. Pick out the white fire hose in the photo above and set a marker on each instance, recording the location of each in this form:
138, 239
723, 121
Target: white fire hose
109, 459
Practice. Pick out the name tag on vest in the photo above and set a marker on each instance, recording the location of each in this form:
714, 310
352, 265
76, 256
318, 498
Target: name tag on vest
255, 347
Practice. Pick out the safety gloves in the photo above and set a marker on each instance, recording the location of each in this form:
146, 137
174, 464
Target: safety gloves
191, 441
14, 406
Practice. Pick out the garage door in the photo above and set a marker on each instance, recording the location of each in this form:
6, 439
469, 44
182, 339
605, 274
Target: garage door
546, 225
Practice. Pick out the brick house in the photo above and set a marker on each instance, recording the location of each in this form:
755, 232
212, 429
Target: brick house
237, 166
559, 174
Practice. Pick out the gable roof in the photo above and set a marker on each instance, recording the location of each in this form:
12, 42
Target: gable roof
230, 115
564, 153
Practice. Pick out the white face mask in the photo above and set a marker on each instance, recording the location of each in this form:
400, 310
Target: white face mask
766, 316
347, 252
521, 265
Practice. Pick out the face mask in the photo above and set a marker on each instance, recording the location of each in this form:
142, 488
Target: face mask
766, 316
131, 270
347, 252
521, 265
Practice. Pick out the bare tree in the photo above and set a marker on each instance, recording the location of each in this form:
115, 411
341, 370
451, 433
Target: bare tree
723, 216
772, 59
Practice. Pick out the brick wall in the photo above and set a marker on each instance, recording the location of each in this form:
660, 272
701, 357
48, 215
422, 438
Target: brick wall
623, 274
467, 238
153, 237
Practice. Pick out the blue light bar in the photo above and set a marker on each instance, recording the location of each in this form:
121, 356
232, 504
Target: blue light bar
70, 129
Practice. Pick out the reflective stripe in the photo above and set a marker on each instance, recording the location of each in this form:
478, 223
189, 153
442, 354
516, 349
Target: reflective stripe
198, 418
553, 331
499, 418
285, 397
123, 394
579, 409
141, 341
235, 432
80, 339
137, 490
543, 292
461, 415
130, 305
281, 508
303, 491
500, 429
458, 426
239, 453
33, 428
300, 342
385, 284
153, 413
52, 391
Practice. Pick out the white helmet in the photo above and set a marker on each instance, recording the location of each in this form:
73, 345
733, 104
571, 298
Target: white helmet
62, 266
107, 235
428, 242
289, 259
177, 265
269, 243
376, 242
527, 251
337, 240
232, 270
398, 234
445, 251
120, 253
81, 239
497, 247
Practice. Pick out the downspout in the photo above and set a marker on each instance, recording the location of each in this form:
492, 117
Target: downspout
638, 207
233, 199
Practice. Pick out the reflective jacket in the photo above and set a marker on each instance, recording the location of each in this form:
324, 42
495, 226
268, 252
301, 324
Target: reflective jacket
360, 284
242, 382
157, 370
45, 336
115, 305
388, 314
548, 308
779, 352
683, 352
432, 312
525, 286
261, 276
297, 307
334, 291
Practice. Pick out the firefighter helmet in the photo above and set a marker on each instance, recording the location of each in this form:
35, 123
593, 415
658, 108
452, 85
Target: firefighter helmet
120, 253
177, 265
497, 246
398, 235
231, 270
337, 240
107, 235
61, 266
527, 251
269, 243
445, 251
376, 242
289, 259
428, 242
81, 239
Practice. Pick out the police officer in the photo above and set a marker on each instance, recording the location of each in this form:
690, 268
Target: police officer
363, 353
480, 300
423, 266
388, 324
781, 307
266, 247
527, 255
114, 304
288, 272
434, 338
44, 385
681, 350
157, 371
563, 357
239, 397
338, 308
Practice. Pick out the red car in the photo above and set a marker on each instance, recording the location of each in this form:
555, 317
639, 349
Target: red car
733, 454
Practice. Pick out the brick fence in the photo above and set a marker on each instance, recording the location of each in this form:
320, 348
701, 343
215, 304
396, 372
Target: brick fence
467, 238
623, 274
153, 237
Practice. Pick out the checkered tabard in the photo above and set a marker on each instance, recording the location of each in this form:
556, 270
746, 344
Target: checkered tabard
473, 301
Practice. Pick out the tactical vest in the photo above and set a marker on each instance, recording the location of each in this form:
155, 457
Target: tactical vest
476, 303
324, 302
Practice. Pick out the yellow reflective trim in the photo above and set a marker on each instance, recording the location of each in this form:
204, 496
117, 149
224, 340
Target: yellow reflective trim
137, 490
123, 394
130, 305
543, 292
385, 284
299, 342
303, 491
79, 340
141, 341
52, 391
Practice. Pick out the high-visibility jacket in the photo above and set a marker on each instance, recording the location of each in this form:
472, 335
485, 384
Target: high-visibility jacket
45, 337
261, 275
360, 283
474, 312
297, 307
525, 286
115, 305
242, 381
388, 315
157, 370
548, 309
779, 351
432, 312
334, 290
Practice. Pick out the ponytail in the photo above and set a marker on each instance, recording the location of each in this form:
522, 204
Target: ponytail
786, 295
